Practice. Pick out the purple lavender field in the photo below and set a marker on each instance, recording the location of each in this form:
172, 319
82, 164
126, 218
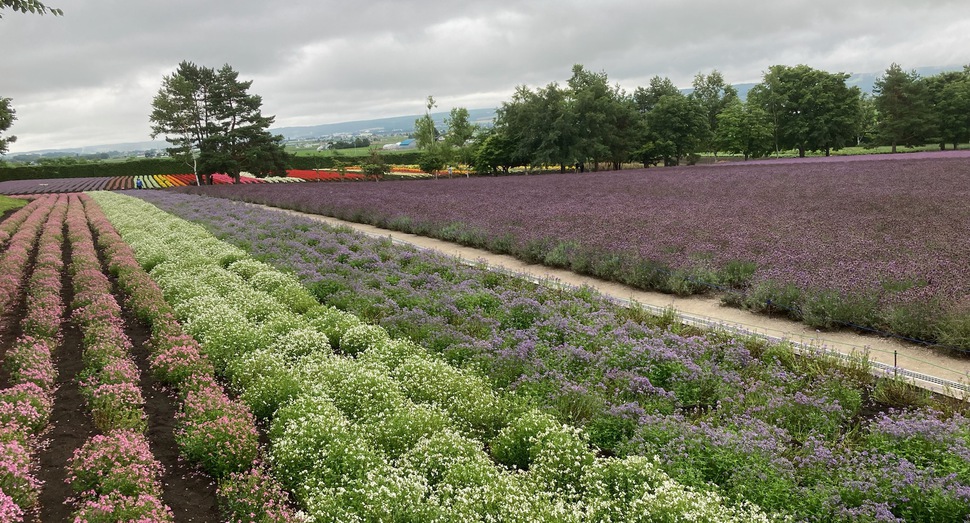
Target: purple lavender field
871, 243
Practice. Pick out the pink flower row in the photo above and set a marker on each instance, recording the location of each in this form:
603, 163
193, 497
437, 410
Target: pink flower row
25, 406
212, 430
12, 224
14, 260
114, 474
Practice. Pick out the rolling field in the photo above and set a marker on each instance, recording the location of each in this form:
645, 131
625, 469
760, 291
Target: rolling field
878, 244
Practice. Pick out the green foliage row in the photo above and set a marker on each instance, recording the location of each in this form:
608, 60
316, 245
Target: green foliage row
142, 167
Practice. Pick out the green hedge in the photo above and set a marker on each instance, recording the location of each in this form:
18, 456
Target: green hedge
150, 166
143, 167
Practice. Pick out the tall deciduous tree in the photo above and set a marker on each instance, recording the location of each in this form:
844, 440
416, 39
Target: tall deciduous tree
7, 116
460, 133
904, 108
433, 155
744, 128
949, 98
811, 110
676, 128
714, 95
603, 116
200, 109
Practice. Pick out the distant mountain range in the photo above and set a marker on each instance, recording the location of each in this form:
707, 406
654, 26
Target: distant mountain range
405, 124
392, 125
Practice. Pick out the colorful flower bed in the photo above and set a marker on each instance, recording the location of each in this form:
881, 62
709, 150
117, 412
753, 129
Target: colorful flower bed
874, 244
383, 430
788, 433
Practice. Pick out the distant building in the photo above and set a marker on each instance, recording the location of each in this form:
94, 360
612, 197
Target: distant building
410, 143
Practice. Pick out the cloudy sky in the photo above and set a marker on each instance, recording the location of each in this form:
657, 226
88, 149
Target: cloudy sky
88, 77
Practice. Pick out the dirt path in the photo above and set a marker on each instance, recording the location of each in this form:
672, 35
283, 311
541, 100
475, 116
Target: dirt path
709, 311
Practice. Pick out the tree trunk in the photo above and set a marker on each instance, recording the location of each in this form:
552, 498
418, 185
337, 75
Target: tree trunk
894, 146
801, 152
828, 152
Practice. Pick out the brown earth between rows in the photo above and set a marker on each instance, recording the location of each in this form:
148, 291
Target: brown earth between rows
187, 491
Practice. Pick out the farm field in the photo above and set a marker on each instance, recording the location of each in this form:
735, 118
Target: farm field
866, 243
86, 431
805, 438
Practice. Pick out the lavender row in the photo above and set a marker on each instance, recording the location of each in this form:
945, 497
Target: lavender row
867, 243
719, 410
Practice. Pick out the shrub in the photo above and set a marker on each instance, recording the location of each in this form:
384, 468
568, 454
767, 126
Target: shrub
466, 397
301, 342
255, 497
215, 432
17, 485
265, 380
559, 456
359, 338
397, 431
25, 405
512, 446
117, 462
436, 454
332, 322
112, 508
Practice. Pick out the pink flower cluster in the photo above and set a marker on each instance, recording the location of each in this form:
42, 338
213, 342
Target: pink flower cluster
213, 430
118, 462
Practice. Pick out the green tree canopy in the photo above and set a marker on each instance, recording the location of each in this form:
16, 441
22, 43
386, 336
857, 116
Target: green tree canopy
714, 95
810, 110
28, 6
7, 116
949, 98
677, 128
200, 109
460, 133
424, 129
903, 103
744, 128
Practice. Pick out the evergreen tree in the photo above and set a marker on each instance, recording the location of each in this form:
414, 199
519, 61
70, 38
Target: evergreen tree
904, 109
211, 112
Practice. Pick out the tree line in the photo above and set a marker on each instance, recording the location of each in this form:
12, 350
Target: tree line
588, 122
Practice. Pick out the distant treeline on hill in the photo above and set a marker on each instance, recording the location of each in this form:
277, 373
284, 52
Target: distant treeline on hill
150, 166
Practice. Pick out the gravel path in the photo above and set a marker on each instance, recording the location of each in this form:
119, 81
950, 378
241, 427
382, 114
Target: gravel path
934, 369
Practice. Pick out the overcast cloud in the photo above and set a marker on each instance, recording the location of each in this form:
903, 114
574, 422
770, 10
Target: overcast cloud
89, 77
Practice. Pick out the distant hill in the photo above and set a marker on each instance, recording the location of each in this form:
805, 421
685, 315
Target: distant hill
392, 125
